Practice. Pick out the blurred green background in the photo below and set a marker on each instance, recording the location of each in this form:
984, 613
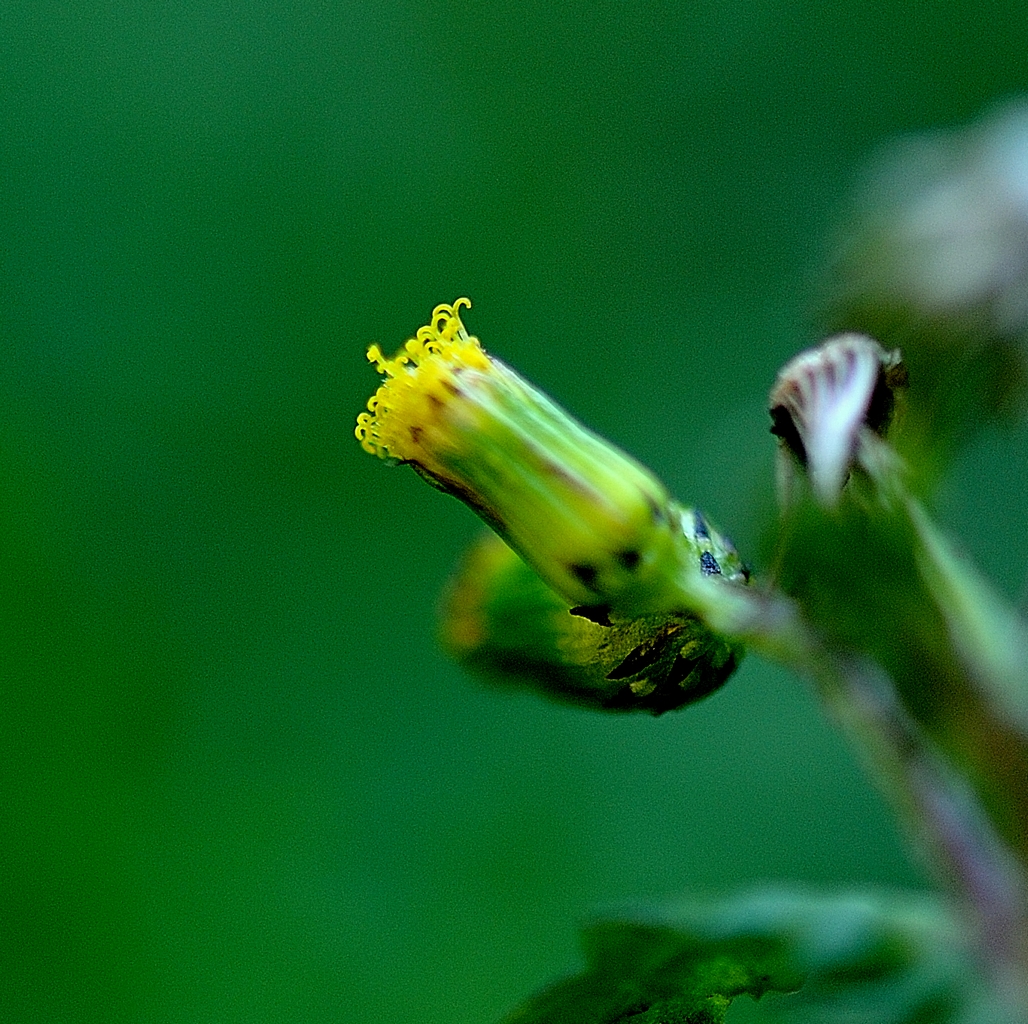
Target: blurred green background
239, 781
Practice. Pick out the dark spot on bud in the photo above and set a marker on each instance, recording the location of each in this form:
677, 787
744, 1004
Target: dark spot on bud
435, 401
598, 613
656, 512
700, 525
708, 565
783, 426
583, 572
415, 434
628, 559
882, 405
452, 388
640, 658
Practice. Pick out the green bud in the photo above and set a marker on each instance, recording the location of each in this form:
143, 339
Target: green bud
596, 526
502, 621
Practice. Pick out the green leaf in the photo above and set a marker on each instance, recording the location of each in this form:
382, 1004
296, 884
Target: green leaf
663, 970
843, 959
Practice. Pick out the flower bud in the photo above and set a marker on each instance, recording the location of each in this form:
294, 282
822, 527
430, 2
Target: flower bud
828, 407
500, 620
942, 227
592, 522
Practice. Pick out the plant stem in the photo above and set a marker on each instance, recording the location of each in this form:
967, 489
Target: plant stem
938, 809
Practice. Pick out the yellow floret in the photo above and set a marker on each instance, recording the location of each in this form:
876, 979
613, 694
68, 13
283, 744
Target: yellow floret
420, 379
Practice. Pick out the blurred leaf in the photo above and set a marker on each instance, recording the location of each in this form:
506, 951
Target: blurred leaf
882, 958
664, 969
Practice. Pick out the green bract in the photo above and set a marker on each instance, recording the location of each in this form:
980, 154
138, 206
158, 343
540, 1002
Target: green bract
500, 619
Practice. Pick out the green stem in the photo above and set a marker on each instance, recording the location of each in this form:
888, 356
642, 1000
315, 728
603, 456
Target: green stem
939, 810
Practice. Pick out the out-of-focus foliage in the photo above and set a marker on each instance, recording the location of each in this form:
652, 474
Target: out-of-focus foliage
886, 958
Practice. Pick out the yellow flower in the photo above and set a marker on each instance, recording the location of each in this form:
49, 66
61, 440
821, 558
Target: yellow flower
406, 418
594, 524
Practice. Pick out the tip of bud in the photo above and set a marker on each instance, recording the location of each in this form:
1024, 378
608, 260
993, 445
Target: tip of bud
421, 379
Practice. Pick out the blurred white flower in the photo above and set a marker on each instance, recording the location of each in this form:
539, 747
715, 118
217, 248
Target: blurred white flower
944, 227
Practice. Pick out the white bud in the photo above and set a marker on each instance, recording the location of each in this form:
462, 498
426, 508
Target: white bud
827, 405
